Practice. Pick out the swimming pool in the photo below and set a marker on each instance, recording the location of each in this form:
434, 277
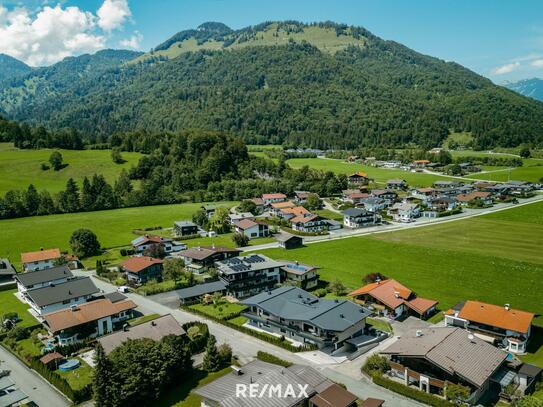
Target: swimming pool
70, 364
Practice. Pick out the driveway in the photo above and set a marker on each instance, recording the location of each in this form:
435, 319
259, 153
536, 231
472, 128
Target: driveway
37, 389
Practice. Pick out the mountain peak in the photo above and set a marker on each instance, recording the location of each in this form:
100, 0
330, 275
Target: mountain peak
528, 87
214, 27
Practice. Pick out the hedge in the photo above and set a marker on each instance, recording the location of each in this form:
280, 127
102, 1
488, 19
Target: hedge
259, 335
410, 392
268, 357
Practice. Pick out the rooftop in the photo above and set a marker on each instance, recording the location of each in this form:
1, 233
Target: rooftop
304, 219
494, 315
201, 289
203, 252
149, 239
359, 174
297, 268
155, 329
274, 196
55, 293
185, 223
137, 264
40, 255
355, 212
247, 263
283, 205
334, 396
43, 276
246, 224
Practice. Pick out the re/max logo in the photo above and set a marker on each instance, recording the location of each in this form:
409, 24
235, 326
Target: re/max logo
255, 390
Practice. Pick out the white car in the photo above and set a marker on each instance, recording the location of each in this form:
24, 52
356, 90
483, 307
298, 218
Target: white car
123, 289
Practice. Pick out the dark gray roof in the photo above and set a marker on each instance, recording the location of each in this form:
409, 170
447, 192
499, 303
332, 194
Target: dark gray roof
6, 268
185, 223
44, 276
530, 370
354, 212
453, 351
115, 297
76, 287
372, 200
243, 264
293, 303
156, 330
201, 289
223, 390
284, 237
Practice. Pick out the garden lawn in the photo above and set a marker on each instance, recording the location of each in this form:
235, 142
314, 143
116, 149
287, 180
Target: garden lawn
460, 260
239, 321
142, 319
220, 311
113, 228
81, 163
80, 377
328, 214
10, 303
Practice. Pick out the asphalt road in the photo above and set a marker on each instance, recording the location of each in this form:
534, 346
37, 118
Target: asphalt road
37, 389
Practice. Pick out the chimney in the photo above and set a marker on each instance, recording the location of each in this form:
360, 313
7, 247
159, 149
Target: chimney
506, 306
378, 280
418, 333
396, 294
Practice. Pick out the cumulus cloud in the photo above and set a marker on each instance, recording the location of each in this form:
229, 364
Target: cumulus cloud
133, 42
507, 68
113, 14
537, 63
50, 34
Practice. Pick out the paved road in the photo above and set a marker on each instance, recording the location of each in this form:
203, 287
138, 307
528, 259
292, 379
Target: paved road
37, 389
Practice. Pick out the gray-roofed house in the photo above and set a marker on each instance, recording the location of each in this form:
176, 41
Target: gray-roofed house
42, 278
222, 392
155, 329
185, 228
302, 317
249, 275
55, 297
374, 204
199, 259
303, 275
193, 294
396, 184
7, 272
429, 358
288, 241
357, 218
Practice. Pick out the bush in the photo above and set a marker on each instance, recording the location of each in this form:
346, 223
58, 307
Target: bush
44, 167
123, 252
18, 333
376, 364
198, 333
320, 292
11, 316
84, 243
268, 357
225, 354
240, 240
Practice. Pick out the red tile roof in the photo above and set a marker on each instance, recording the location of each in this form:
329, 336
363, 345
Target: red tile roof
304, 219
50, 357
494, 315
421, 305
472, 195
246, 224
41, 255
274, 196
139, 263
282, 205
359, 174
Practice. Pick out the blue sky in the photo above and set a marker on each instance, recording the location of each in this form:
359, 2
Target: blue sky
500, 39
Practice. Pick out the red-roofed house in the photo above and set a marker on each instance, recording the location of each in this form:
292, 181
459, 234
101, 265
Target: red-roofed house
466, 199
392, 299
252, 229
358, 178
309, 223
40, 260
268, 199
140, 269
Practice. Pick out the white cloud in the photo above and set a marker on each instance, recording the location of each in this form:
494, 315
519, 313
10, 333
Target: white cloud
113, 14
507, 68
133, 42
50, 34
537, 63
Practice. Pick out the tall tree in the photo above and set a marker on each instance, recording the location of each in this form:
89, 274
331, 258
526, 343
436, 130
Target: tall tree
31, 200
87, 196
69, 198
212, 361
103, 379
84, 243
56, 160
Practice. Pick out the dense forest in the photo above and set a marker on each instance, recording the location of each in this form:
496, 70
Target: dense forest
12, 67
376, 94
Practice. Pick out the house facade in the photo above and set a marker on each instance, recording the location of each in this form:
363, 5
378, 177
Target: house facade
374, 204
299, 274
404, 211
387, 194
252, 229
185, 228
354, 196
143, 243
268, 199
287, 241
40, 260
358, 178
358, 218
302, 317
397, 184
309, 224
199, 259
140, 269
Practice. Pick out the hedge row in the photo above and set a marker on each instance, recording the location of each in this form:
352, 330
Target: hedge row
410, 392
259, 335
449, 213
268, 357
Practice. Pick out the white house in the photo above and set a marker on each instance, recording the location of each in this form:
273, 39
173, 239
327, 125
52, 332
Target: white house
268, 199
40, 260
145, 242
252, 229
42, 278
404, 211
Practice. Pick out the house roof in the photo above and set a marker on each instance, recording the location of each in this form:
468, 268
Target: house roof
302, 194
530, 370
203, 252
149, 239
293, 303
452, 350
396, 181
243, 264
246, 224
6, 268
371, 402
274, 196
155, 329
185, 223
257, 201
404, 206
472, 195
377, 192
421, 161
297, 268
53, 294
355, 212
304, 219
284, 237
421, 305
137, 264
357, 195
334, 396
223, 389
297, 210
390, 292
48, 358
201, 289
426, 190
494, 315
359, 174
43, 276
40, 255
283, 205
85, 313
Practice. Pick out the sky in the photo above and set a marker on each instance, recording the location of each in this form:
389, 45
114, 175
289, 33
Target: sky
500, 39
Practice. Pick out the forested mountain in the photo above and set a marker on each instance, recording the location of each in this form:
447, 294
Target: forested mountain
11, 67
528, 87
321, 85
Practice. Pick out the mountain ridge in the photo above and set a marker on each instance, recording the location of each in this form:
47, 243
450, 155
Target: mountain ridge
12, 67
528, 87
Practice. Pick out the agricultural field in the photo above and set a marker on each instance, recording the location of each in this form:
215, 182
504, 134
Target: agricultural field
532, 171
380, 175
20, 168
494, 258
113, 228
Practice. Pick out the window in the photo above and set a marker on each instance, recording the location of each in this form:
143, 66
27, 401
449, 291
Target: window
66, 301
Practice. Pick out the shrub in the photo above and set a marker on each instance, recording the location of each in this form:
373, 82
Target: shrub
123, 252
18, 333
225, 354
320, 292
11, 316
240, 240
376, 364
268, 357
198, 333
44, 167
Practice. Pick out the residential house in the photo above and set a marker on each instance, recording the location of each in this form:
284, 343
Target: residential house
435, 150
249, 275
263, 375
309, 224
140, 269
302, 317
374, 204
391, 299
185, 228
155, 329
238, 217
358, 178
52, 360
252, 229
477, 196
397, 184
7, 272
259, 203
40, 260
387, 194
210, 209
199, 259
142, 243
42, 278
504, 326
424, 194
441, 204
268, 199
300, 197
54, 297
430, 358
357, 218
277, 207
288, 241
447, 184
195, 293
404, 211
334, 396
420, 163
354, 196
289, 213
520, 188
82, 321
303, 275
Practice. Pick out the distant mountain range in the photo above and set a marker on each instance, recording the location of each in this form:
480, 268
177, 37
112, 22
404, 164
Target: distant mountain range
528, 87
11, 67
322, 85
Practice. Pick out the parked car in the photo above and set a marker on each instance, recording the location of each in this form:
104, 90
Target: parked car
123, 289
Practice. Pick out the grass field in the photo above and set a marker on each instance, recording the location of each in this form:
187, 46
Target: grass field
531, 171
113, 228
220, 311
380, 175
495, 258
10, 303
20, 168
80, 377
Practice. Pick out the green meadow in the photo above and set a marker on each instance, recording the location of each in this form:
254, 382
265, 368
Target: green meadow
20, 168
532, 171
494, 258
